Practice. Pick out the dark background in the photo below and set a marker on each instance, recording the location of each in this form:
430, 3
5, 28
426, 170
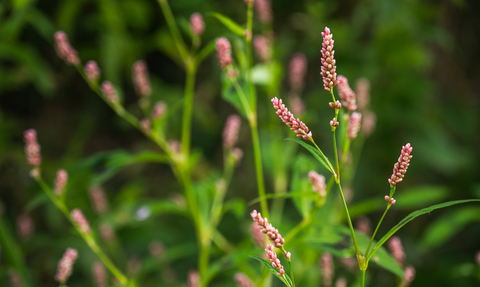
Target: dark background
421, 58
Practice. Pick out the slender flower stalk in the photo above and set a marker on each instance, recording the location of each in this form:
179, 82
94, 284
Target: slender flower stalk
64, 50
294, 124
329, 68
400, 167
60, 182
65, 265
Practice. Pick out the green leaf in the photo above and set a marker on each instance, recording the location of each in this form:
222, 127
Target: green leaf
229, 93
414, 215
313, 151
273, 270
300, 182
229, 23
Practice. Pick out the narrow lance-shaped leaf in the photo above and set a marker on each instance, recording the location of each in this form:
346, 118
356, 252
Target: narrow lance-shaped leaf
312, 150
229, 23
412, 216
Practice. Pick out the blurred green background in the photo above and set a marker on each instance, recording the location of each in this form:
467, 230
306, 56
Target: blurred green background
421, 58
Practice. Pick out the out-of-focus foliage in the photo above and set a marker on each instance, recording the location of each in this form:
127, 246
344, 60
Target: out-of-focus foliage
421, 58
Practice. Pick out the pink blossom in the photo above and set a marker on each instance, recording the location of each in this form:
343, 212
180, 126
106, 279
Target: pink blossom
99, 199
24, 226
354, 125
193, 279
140, 79
362, 89
64, 50
242, 280
231, 130
257, 235
409, 274
159, 110
274, 260
80, 220
264, 11
60, 181
99, 274
297, 71
348, 97
318, 183
92, 71
196, 23
145, 126
32, 148
65, 265
396, 248
109, 92
294, 124
400, 167
262, 47
368, 123
268, 229
224, 52
327, 269
329, 69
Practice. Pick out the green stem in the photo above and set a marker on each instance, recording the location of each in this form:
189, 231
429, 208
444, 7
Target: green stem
177, 37
290, 266
337, 178
363, 278
187, 110
376, 229
248, 40
86, 236
357, 251
332, 170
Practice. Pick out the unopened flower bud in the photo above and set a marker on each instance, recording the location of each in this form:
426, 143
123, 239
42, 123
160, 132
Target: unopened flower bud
92, 72
159, 110
140, 79
65, 265
334, 123
109, 92
80, 220
196, 24
60, 181
401, 166
64, 50
329, 68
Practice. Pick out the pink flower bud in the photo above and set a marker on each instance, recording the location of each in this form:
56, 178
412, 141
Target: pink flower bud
334, 123
396, 248
257, 235
92, 71
99, 274
400, 167
327, 268
193, 279
60, 181
264, 11
297, 71
196, 24
32, 148
159, 110
354, 125
64, 50
242, 280
318, 183
329, 69
99, 199
140, 79
80, 220
231, 130
348, 97
262, 47
109, 93
362, 89
224, 52
65, 265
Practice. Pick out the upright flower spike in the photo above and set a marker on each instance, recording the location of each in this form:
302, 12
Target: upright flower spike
99, 274
230, 131
329, 70
99, 199
242, 280
109, 92
318, 183
368, 123
32, 148
349, 99
362, 89
354, 125
196, 24
400, 167
327, 269
92, 72
193, 279
80, 220
294, 124
409, 274
262, 47
64, 50
297, 71
224, 52
274, 259
159, 110
264, 11
65, 265
396, 248
140, 79
60, 181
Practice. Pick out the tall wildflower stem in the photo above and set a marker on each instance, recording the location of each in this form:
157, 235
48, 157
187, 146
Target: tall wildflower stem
357, 251
188, 108
363, 278
252, 120
177, 37
86, 237
332, 170
248, 40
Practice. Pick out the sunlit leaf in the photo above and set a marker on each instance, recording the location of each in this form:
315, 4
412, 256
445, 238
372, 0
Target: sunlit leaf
229, 23
312, 150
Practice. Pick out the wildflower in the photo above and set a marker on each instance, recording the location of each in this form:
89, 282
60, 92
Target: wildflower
341, 282
400, 167
60, 181
329, 69
193, 279
362, 89
297, 70
145, 126
32, 148
99, 199
257, 235
92, 71
109, 92
390, 201
64, 50
242, 280
409, 274
99, 274
368, 123
264, 11
348, 97
159, 110
262, 47
24, 226
326, 263
396, 248
196, 24
80, 220
224, 52
275, 261
294, 124
230, 131
318, 183
140, 79
65, 265
268, 229
237, 155
354, 125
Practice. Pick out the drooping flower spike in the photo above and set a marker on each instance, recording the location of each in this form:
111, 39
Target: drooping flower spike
294, 124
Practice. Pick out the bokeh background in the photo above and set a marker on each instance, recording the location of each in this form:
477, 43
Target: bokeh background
421, 58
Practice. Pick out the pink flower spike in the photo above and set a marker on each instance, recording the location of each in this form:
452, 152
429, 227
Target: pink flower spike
368, 123
196, 24
60, 181
99, 274
297, 71
92, 72
264, 11
145, 126
348, 97
409, 274
262, 47
80, 220
329, 69
287, 117
193, 279
65, 265
231, 130
109, 93
224, 52
140, 79
362, 89
32, 148
24, 226
318, 183
159, 110
401, 166
99, 199
242, 280
327, 268
64, 50
354, 125
396, 248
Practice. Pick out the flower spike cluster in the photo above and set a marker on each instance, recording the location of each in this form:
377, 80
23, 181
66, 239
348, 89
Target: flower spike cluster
400, 167
275, 261
32, 148
329, 70
224, 52
268, 229
60, 181
64, 50
196, 24
354, 125
294, 124
349, 99
65, 265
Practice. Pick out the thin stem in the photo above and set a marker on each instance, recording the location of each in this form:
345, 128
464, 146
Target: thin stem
332, 170
187, 110
376, 229
248, 40
290, 266
337, 178
86, 237
243, 99
177, 37
357, 251
363, 278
